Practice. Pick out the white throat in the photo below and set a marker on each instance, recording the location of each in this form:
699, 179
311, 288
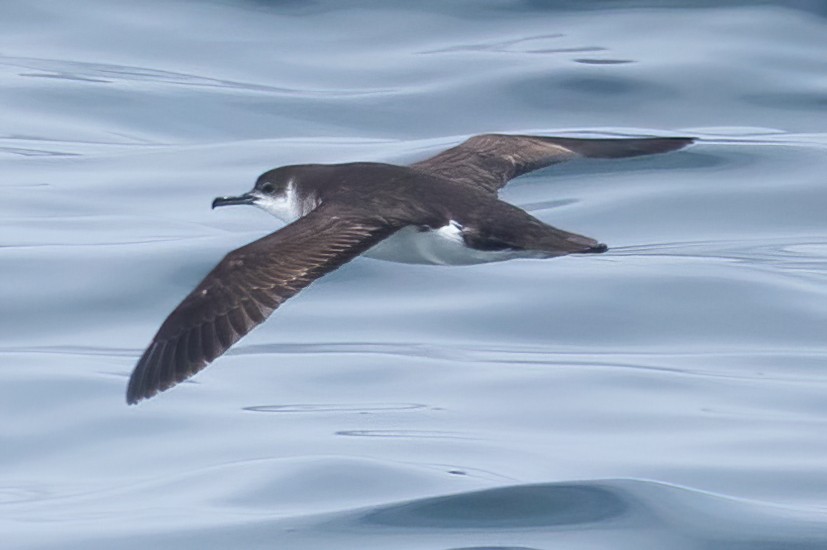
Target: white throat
287, 207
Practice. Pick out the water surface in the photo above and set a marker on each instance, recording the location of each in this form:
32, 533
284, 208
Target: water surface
667, 394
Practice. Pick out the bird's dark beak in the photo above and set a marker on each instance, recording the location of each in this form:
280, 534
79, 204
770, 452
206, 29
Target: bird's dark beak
246, 198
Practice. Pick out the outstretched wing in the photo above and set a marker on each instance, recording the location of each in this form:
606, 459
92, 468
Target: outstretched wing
244, 289
488, 161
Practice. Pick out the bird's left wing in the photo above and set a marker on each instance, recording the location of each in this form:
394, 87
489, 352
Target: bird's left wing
489, 161
245, 288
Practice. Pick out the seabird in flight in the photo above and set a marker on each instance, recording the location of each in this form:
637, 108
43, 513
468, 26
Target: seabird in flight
443, 210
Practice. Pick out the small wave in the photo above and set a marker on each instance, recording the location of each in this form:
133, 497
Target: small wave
404, 434
105, 73
363, 408
804, 256
518, 506
594, 512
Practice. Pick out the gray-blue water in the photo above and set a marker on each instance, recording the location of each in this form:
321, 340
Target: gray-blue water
671, 393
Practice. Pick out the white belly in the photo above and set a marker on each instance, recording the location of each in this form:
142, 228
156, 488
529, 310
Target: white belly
443, 246
409, 245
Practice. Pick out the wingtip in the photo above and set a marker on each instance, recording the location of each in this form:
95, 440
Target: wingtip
680, 142
134, 394
663, 144
140, 386
613, 148
598, 248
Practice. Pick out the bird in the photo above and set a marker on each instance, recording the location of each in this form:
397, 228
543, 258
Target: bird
441, 210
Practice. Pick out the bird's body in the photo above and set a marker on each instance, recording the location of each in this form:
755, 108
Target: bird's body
443, 210
441, 221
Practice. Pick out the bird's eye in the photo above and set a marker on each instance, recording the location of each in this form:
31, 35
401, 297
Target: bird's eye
268, 188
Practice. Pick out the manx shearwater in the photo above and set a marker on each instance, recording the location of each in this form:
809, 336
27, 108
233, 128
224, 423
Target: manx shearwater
443, 210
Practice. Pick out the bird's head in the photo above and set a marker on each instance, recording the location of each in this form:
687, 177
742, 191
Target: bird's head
274, 192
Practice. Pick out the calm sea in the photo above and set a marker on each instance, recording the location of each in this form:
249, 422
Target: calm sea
669, 394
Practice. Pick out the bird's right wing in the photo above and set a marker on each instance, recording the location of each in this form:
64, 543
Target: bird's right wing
245, 288
489, 161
